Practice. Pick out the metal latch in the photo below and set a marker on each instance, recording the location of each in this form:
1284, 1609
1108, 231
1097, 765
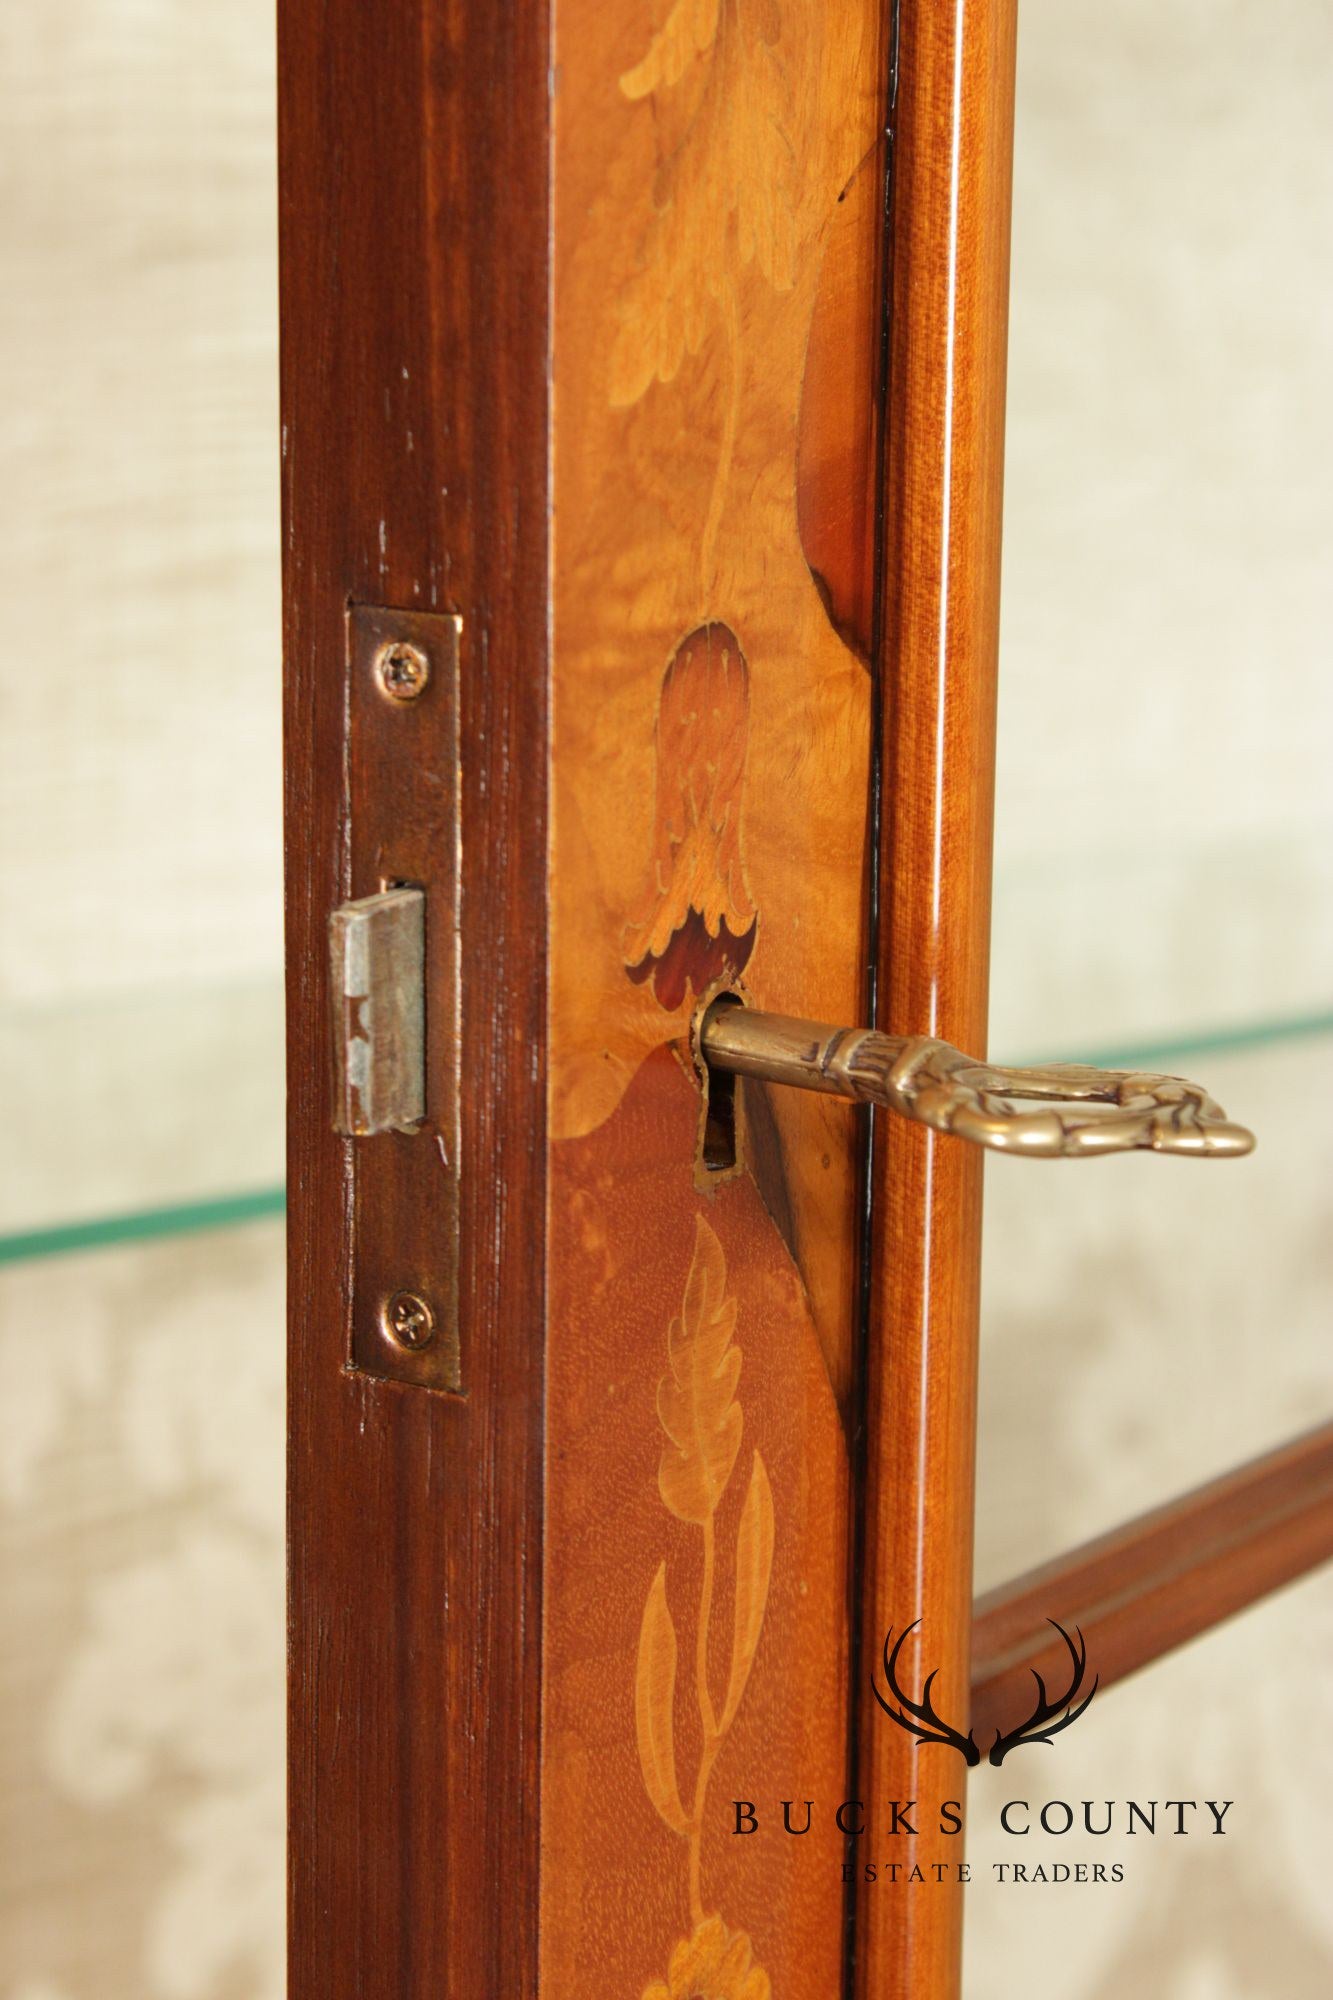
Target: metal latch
378, 948
395, 990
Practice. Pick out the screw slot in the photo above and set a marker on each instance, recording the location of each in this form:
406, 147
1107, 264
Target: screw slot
408, 1320
402, 669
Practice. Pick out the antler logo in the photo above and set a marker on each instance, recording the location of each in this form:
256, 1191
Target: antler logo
920, 1720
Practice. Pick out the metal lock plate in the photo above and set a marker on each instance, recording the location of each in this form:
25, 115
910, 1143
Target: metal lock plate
378, 949
395, 957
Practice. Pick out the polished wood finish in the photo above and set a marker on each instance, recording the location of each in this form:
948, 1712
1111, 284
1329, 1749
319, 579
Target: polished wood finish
718, 221
1157, 1581
952, 137
415, 284
718, 224
579, 344
584, 351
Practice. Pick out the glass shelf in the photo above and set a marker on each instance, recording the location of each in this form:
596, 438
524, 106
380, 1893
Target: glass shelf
1148, 1323
140, 1225
140, 1115
1159, 1052
1163, 819
245, 1030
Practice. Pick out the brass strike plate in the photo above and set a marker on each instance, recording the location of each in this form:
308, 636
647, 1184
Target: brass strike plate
405, 836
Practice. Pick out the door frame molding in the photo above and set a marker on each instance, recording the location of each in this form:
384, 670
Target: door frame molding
952, 160
414, 239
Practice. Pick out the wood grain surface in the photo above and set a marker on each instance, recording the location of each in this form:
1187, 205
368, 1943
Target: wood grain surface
952, 140
415, 277
718, 211
716, 306
1151, 1584
712, 373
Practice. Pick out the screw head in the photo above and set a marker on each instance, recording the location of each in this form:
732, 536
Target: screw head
402, 669
408, 1320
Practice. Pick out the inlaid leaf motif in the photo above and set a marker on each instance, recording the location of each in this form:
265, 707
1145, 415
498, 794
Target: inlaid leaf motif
696, 1398
696, 1403
754, 1565
727, 193
654, 1705
687, 32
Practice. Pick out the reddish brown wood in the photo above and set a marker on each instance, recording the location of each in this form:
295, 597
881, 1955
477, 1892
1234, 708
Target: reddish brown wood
1157, 1581
945, 433
414, 203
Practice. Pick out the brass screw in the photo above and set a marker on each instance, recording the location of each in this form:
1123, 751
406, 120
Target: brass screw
408, 1320
403, 669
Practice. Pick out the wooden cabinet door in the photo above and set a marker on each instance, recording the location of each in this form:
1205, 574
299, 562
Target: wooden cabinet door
718, 199
587, 345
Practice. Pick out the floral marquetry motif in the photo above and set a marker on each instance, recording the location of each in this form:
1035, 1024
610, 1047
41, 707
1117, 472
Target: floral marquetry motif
712, 1964
694, 1608
726, 189
710, 782
698, 1410
698, 921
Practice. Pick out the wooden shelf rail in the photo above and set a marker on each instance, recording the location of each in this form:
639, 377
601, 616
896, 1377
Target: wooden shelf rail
1157, 1581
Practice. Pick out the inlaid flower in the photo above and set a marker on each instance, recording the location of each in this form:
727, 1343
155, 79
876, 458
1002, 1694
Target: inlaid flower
713, 1964
696, 923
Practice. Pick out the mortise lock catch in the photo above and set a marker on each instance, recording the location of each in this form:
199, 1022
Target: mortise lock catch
396, 979
378, 946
